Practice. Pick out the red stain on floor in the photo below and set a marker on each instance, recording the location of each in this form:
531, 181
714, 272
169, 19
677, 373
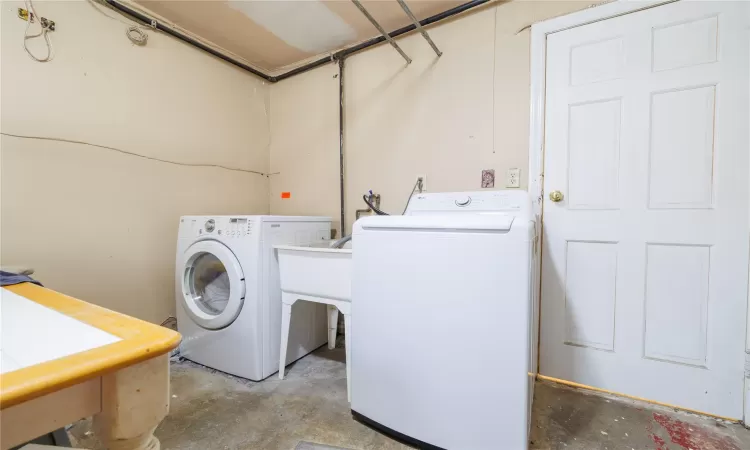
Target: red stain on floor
690, 436
660, 444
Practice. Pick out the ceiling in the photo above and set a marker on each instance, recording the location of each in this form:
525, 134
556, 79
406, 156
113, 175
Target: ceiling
277, 35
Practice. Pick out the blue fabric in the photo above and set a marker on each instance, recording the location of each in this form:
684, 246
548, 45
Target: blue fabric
8, 278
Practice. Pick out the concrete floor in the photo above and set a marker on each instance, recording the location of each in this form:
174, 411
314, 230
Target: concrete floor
211, 410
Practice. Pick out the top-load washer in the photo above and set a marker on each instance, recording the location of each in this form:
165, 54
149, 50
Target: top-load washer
228, 293
444, 340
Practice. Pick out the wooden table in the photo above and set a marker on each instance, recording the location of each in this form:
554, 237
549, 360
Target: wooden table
62, 359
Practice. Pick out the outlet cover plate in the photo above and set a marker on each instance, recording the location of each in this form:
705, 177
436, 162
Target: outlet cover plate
513, 179
424, 183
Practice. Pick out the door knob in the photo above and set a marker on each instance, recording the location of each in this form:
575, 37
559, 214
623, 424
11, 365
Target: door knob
556, 196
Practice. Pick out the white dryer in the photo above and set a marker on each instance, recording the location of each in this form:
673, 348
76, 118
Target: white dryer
228, 294
444, 341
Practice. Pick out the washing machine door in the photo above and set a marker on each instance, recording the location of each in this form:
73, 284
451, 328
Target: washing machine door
213, 284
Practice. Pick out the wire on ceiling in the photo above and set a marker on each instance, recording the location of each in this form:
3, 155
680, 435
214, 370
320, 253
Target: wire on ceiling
45, 28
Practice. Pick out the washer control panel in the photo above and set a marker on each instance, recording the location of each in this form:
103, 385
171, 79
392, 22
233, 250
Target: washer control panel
516, 202
228, 227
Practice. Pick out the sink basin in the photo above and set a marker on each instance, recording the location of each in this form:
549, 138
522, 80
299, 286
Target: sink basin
316, 270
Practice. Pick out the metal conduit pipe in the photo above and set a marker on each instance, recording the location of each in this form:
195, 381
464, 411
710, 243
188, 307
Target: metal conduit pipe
341, 143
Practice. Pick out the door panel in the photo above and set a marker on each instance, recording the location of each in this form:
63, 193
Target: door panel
682, 148
685, 44
594, 155
676, 303
592, 62
590, 294
645, 260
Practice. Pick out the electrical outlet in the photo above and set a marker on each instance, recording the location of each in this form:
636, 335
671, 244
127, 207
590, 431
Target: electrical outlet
513, 178
421, 187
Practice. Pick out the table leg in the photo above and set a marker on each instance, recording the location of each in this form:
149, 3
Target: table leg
134, 401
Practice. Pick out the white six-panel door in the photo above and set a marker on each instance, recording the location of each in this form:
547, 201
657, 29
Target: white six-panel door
645, 259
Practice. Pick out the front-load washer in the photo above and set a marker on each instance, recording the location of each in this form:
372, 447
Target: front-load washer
444, 341
228, 293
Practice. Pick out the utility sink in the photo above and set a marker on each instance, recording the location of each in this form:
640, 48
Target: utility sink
316, 270
319, 274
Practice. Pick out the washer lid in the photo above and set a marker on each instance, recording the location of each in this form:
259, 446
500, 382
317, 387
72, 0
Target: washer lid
213, 284
490, 222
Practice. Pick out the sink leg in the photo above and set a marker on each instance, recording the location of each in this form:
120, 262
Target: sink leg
286, 317
333, 323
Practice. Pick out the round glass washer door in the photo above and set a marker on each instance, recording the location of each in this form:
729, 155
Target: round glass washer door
213, 284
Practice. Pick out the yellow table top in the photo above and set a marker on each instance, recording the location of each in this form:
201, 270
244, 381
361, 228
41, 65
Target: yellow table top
140, 341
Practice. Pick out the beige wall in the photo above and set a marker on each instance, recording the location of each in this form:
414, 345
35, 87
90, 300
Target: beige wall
305, 144
447, 118
98, 224
101, 225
